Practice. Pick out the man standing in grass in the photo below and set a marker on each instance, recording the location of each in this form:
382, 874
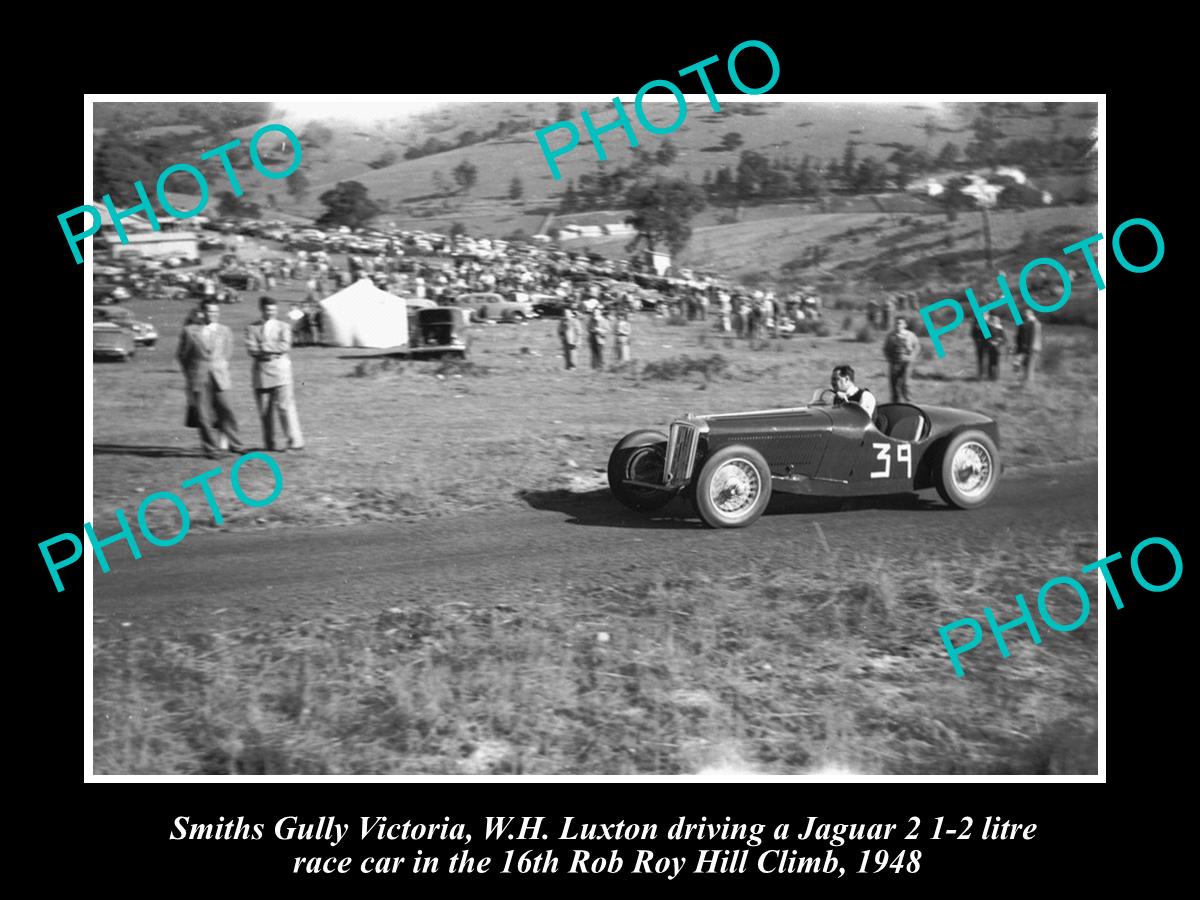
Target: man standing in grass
621, 332
205, 348
1029, 343
568, 333
995, 346
597, 334
269, 340
900, 348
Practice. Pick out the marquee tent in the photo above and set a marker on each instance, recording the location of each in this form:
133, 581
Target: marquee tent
362, 315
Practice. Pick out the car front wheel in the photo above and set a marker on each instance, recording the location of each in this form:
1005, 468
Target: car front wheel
969, 471
639, 457
733, 488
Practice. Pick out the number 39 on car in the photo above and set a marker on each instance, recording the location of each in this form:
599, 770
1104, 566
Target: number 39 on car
729, 464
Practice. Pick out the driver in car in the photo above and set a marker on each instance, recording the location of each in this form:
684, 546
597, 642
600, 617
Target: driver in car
846, 391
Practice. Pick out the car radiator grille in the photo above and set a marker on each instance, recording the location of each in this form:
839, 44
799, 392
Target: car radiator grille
681, 452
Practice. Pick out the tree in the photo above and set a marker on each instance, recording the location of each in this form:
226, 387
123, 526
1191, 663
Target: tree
931, 129
237, 207
849, 164
731, 141
909, 162
724, 186
516, 189
662, 211
952, 199
298, 185
987, 135
570, 200
385, 159
666, 154
948, 158
870, 176
642, 161
118, 165
466, 175
316, 135
347, 204
752, 174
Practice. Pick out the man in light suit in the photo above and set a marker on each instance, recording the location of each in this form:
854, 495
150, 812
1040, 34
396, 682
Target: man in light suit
269, 341
205, 348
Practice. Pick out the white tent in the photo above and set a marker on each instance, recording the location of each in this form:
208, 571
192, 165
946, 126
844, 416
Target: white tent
364, 316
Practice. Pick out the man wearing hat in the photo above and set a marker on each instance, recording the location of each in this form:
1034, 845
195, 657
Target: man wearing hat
269, 340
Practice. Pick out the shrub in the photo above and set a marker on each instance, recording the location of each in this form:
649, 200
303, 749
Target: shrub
848, 322
450, 367
865, 333
813, 326
1053, 356
710, 367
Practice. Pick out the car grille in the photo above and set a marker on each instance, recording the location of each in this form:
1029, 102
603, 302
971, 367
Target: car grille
681, 452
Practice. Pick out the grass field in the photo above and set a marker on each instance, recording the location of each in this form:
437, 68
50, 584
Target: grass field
829, 663
772, 672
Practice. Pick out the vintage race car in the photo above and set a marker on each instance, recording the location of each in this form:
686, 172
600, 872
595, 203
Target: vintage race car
729, 464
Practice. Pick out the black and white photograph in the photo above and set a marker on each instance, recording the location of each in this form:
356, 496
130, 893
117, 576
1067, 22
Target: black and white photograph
723, 437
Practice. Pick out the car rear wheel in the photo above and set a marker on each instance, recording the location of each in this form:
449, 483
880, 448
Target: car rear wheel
639, 457
734, 487
970, 470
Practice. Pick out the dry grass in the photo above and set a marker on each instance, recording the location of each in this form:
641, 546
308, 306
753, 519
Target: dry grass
836, 665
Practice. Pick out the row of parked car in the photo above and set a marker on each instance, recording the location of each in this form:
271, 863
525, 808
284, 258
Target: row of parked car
116, 334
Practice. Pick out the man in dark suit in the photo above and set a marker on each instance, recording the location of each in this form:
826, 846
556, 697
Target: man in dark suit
204, 353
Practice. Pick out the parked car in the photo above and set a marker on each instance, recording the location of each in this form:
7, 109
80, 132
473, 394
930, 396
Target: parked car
548, 305
495, 308
729, 464
111, 341
439, 331
144, 334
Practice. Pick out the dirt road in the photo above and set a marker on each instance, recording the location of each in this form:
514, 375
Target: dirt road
220, 580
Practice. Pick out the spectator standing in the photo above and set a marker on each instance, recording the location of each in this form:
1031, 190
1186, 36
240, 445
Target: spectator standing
1029, 344
597, 335
901, 348
621, 333
887, 312
568, 334
203, 354
312, 320
995, 346
269, 341
981, 345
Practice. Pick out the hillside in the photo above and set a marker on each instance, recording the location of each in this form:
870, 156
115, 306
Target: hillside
764, 241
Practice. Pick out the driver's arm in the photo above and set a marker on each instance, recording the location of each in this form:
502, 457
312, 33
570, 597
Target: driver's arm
868, 404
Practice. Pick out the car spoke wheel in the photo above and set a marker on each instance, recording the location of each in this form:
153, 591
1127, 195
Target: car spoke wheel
970, 470
733, 488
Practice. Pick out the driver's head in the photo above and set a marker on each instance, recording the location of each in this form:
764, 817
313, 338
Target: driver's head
842, 378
